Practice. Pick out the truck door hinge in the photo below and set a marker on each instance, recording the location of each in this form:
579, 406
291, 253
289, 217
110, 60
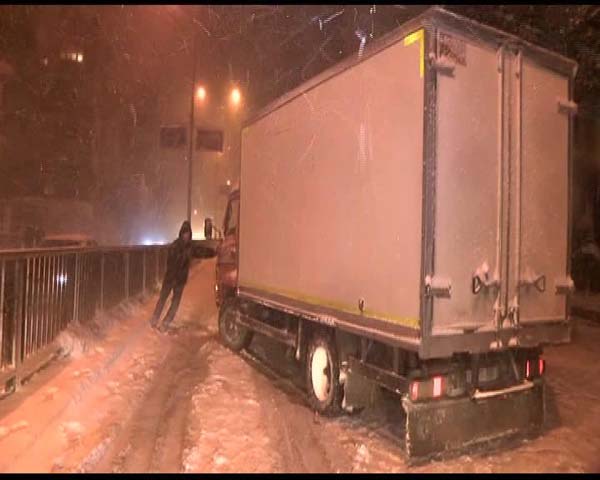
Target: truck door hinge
564, 286
566, 106
500, 58
442, 65
499, 312
513, 312
438, 287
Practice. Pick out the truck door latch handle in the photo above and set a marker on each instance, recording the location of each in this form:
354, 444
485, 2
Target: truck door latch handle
478, 283
539, 282
442, 65
481, 279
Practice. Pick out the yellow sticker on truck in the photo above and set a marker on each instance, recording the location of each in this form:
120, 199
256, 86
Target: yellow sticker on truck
418, 37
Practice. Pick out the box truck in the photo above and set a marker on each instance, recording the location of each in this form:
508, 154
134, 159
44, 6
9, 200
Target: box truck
404, 217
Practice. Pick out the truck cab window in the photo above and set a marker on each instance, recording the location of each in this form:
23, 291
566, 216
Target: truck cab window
231, 219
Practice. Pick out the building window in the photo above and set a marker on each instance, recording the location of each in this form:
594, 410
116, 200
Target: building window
72, 56
173, 137
209, 140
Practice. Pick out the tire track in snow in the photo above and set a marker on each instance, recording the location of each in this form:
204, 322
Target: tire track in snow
153, 438
83, 389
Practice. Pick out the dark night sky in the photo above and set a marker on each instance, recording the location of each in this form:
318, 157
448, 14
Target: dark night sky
133, 54
270, 49
87, 129
275, 48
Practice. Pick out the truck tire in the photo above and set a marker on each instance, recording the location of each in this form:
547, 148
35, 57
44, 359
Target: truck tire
325, 393
234, 336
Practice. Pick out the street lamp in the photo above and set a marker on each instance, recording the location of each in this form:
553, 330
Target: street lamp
201, 94
235, 97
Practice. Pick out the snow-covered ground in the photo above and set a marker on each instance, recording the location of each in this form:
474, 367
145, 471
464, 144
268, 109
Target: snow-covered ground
131, 400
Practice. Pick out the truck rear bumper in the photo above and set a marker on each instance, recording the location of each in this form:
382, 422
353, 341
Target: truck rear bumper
440, 426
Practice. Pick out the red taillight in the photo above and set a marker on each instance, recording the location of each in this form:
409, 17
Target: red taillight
528, 369
427, 389
414, 390
541, 366
437, 387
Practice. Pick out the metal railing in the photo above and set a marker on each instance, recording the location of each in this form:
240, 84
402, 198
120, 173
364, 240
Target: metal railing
44, 291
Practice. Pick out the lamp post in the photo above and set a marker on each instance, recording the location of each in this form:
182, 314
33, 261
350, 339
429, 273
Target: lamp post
199, 94
192, 132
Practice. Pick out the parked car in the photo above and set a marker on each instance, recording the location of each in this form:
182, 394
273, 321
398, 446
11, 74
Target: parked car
68, 240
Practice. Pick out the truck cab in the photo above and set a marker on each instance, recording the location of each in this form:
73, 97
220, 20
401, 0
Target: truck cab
226, 258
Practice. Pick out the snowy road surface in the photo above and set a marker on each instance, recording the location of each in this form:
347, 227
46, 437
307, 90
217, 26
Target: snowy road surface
136, 401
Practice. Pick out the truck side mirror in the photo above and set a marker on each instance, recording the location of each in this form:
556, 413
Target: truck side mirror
208, 228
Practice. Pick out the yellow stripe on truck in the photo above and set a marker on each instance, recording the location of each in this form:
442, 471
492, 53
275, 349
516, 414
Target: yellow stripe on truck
410, 322
418, 36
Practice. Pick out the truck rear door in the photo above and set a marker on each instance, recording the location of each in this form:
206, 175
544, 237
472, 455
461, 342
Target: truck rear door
468, 185
502, 188
540, 181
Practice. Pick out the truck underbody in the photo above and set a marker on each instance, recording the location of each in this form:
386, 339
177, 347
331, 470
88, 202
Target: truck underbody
450, 403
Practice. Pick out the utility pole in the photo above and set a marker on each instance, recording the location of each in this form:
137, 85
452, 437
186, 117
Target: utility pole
192, 133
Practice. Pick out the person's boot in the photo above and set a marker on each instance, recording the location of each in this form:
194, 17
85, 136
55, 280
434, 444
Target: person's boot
164, 328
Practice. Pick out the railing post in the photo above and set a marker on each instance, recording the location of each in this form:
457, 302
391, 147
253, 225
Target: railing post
2, 280
46, 302
53, 294
144, 272
102, 281
76, 291
157, 269
18, 324
126, 275
61, 298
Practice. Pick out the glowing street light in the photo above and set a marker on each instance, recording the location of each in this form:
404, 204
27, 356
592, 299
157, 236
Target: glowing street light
236, 97
201, 93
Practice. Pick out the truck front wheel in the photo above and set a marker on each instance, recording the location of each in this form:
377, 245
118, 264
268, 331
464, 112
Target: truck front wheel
234, 336
325, 392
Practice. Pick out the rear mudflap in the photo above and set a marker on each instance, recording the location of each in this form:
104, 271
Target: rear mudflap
436, 427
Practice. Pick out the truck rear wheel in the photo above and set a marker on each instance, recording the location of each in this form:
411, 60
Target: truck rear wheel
234, 336
325, 392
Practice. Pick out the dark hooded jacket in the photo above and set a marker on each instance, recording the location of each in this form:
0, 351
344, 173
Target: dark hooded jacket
179, 257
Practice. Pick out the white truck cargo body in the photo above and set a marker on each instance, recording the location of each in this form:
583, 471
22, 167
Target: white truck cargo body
418, 194
331, 192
